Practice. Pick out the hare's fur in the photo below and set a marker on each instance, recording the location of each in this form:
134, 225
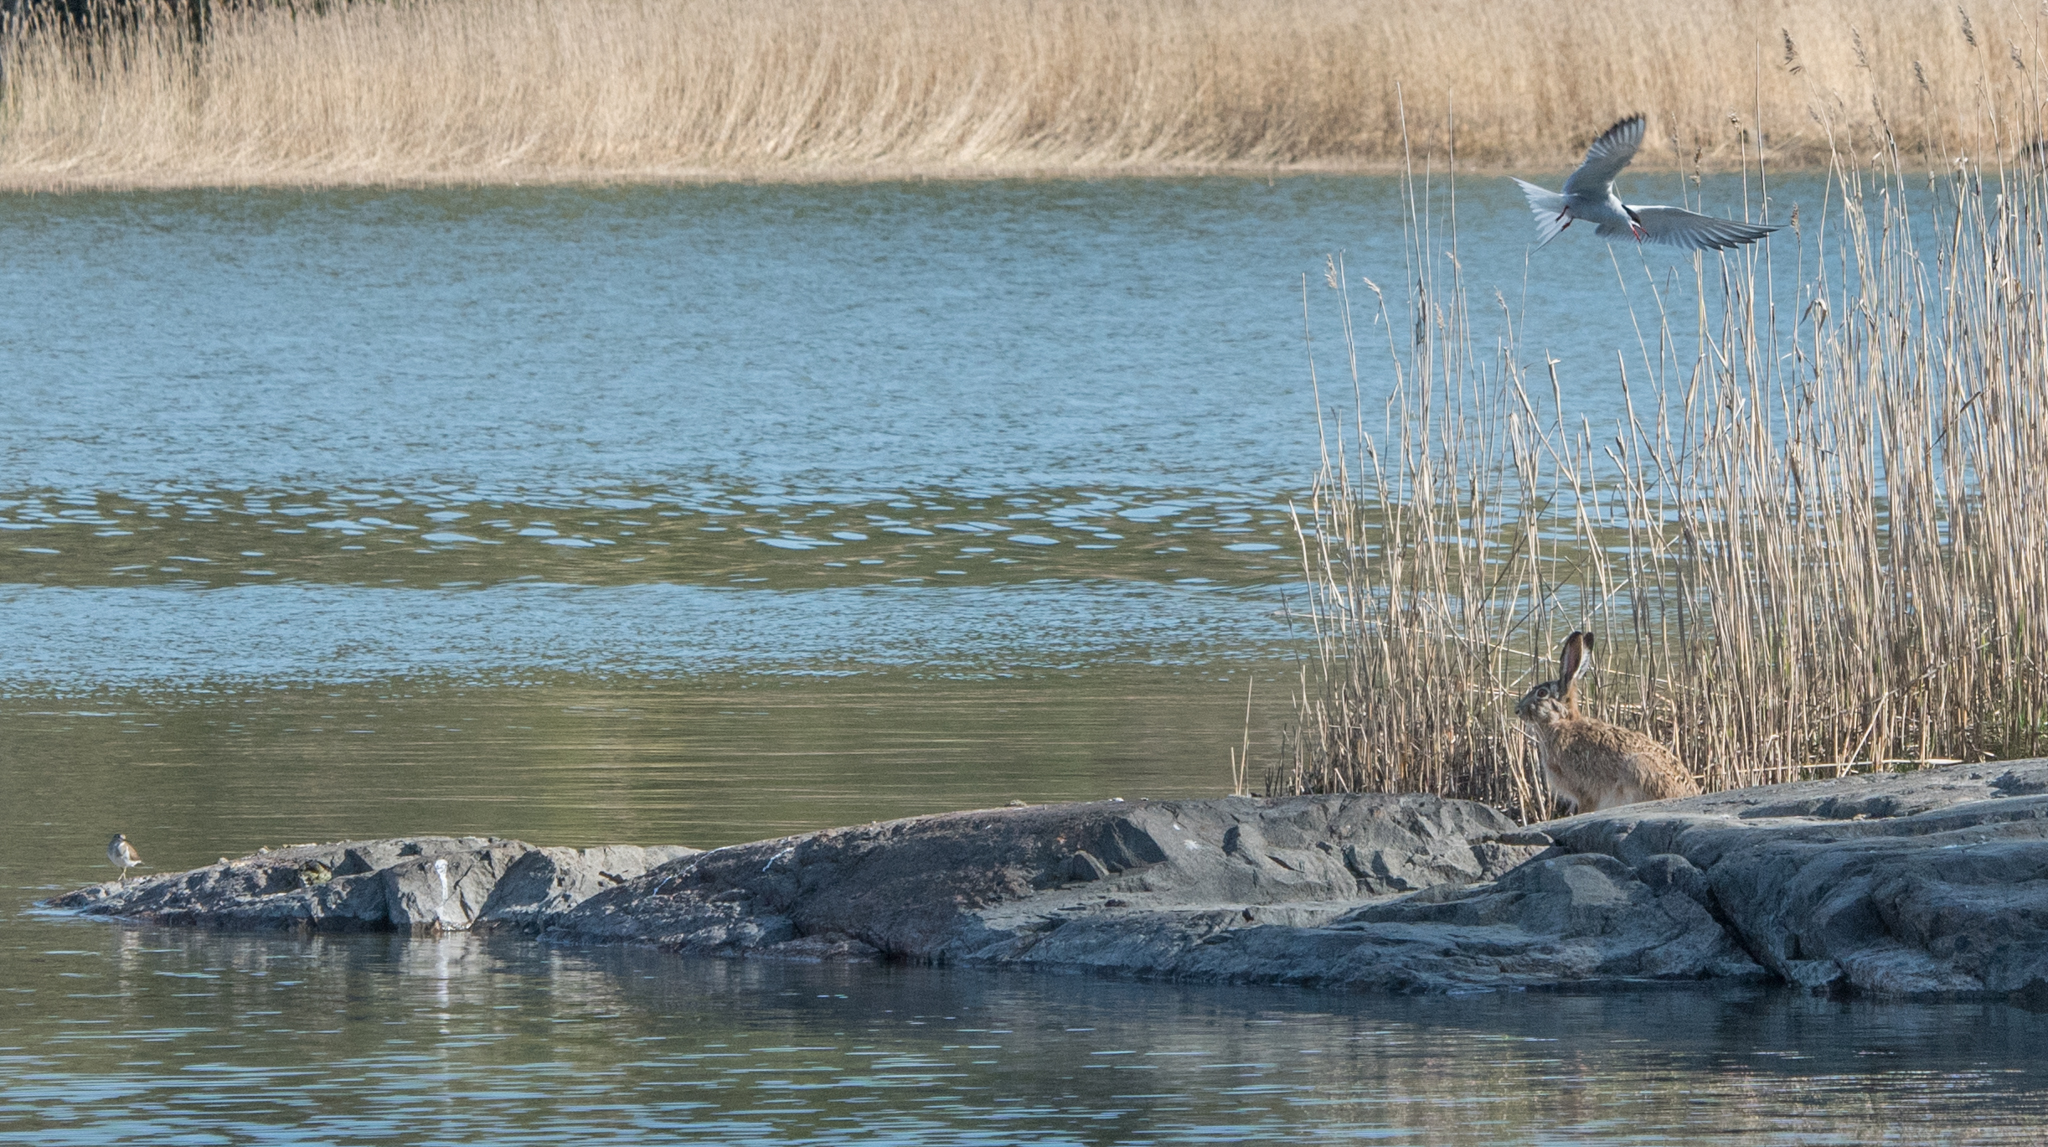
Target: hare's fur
1591, 764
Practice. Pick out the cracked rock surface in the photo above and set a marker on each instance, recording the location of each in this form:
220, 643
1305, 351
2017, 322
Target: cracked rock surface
996, 886
1933, 882
418, 884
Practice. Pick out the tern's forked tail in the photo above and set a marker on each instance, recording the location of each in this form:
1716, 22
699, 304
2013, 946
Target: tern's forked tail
1549, 209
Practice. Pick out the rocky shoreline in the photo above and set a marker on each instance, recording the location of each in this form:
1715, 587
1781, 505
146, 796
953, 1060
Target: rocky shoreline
1932, 883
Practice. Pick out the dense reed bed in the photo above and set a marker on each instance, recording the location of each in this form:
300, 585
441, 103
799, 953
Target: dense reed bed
341, 92
1816, 539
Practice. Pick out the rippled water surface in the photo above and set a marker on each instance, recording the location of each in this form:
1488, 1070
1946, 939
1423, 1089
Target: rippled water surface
702, 515
163, 1036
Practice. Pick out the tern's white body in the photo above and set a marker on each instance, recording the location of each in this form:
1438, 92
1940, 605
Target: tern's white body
1589, 195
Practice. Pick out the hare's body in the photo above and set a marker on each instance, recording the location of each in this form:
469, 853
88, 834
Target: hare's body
1595, 765
1591, 764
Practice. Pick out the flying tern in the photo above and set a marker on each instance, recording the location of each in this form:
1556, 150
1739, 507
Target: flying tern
1589, 195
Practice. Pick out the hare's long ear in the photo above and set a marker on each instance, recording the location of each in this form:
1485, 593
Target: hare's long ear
1572, 662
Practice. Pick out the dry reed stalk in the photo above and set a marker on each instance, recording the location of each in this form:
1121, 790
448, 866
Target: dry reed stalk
1807, 555
418, 91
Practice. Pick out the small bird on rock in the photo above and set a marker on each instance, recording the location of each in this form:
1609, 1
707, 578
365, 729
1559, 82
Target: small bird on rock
1589, 195
314, 872
122, 855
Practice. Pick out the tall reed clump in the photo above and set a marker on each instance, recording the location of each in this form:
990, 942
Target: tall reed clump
205, 92
1805, 546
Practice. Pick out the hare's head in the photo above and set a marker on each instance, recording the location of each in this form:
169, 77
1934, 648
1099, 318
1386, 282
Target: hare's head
1553, 701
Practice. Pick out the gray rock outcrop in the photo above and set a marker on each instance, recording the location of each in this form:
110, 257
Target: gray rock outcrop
1900, 884
1933, 882
546, 882
990, 886
417, 884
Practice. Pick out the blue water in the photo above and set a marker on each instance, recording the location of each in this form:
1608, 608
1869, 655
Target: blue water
1087, 386
862, 339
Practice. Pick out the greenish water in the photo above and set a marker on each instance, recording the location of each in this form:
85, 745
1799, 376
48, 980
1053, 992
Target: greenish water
710, 761
708, 514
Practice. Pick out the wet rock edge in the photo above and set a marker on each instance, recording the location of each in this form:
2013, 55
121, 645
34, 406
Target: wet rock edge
1921, 885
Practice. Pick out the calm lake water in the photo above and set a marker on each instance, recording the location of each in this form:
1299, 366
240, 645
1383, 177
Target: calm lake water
707, 514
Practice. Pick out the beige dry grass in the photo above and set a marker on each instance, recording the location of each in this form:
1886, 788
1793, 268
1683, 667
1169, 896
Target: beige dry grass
1808, 545
542, 90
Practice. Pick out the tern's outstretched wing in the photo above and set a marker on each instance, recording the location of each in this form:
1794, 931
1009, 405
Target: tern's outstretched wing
1677, 227
1547, 206
1605, 159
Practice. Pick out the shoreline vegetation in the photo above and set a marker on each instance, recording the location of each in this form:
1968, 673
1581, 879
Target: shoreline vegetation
201, 93
1811, 543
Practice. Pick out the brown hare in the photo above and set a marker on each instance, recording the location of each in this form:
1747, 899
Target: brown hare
1591, 764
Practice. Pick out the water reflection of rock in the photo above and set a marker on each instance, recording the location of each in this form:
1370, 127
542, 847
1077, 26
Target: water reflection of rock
1915, 884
